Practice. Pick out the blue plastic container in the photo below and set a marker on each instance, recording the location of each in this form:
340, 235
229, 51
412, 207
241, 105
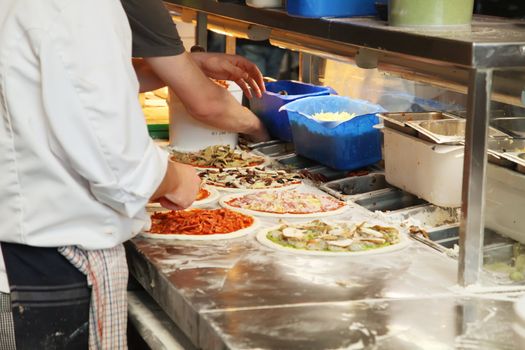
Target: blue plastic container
344, 145
330, 8
267, 107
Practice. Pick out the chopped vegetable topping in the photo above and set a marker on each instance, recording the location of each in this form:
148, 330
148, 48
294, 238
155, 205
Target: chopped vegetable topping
318, 235
199, 222
221, 156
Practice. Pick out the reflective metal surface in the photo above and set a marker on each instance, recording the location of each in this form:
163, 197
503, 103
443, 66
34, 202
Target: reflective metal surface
390, 200
515, 126
490, 42
238, 294
398, 121
275, 150
349, 188
295, 162
474, 177
413, 324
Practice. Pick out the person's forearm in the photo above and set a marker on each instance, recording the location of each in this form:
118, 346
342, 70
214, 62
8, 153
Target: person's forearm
147, 78
204, 100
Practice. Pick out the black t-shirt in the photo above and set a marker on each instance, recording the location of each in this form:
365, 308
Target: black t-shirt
153, 31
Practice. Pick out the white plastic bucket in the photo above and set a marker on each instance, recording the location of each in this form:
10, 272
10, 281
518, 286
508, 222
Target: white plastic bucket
189, 135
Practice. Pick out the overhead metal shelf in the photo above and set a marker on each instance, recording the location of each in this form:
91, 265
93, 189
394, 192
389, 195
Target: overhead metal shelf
490, 42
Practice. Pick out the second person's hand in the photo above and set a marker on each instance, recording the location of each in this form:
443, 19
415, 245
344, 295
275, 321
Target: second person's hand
232, 67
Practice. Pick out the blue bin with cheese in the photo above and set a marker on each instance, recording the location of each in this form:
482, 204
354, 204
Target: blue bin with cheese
336, 131
279, 93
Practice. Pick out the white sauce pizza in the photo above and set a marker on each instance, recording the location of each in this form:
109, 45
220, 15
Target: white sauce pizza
333, 238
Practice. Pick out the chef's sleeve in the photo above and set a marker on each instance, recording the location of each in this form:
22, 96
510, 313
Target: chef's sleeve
90, 94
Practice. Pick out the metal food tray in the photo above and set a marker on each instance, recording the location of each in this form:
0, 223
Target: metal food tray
514, 126
391, 200
295, 162
357, 187
431, 218
275, 149
446, 131
508, 152
323, 174
398, 121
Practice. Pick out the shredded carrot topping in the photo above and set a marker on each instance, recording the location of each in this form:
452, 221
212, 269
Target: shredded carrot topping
199, 222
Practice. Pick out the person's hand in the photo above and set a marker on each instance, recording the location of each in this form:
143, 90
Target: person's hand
232, 67
184, 189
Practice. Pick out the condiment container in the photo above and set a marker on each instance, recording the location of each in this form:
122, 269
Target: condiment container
437, 14
430, 171
330, 8
505, 202
189, 135
279, 93
345, 145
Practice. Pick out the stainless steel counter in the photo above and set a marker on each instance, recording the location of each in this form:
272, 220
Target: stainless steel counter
490, 42
238, 294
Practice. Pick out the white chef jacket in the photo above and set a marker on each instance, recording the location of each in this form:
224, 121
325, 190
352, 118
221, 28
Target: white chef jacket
76, 163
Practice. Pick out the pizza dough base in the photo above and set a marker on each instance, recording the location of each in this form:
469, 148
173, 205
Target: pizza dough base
227, 198
213, 237
248, 190
261, 237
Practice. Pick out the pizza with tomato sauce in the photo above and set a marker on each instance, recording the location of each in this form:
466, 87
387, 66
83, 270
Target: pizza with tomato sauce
200, 224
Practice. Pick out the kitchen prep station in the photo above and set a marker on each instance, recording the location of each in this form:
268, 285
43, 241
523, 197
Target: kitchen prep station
448, 180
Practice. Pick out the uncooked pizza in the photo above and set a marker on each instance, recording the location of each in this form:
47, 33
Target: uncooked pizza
205, 196
284, 204
219, 157
250, 179
200, 224
326, 238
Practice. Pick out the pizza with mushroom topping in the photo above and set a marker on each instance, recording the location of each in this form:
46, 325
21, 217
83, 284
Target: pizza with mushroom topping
250, 179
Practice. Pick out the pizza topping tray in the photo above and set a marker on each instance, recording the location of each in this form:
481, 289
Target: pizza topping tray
399, 121
275, 150
447, 131
514, 126
358, 186
391, 200
508, 152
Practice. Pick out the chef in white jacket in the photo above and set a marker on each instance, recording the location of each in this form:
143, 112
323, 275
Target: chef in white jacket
76, 169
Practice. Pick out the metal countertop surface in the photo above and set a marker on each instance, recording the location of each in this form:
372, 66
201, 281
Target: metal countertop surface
238, 294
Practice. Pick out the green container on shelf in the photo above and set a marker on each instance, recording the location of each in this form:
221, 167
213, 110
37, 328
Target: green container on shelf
430, 13
159, 131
